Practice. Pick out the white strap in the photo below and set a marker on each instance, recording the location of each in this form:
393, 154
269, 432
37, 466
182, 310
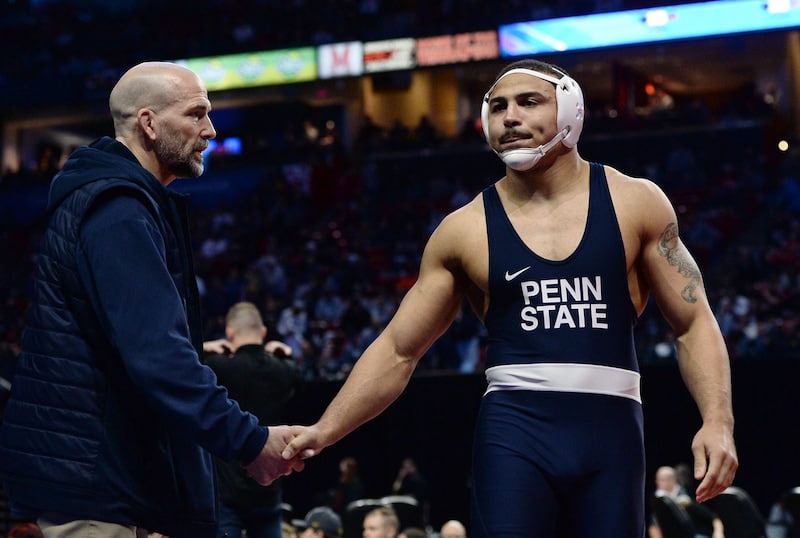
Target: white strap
565, 377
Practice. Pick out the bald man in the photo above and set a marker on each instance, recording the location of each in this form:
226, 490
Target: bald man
113, 420
667, 482
705, 522
381, 523
453, 529
263, 383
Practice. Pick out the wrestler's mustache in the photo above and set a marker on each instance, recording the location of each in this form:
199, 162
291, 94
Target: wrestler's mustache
513, 134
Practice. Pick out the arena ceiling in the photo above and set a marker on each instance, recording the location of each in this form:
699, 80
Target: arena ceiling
693, 67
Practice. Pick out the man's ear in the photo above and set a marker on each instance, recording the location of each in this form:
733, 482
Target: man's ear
146, 120
230, 334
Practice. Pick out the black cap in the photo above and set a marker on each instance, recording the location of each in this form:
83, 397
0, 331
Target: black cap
321, 518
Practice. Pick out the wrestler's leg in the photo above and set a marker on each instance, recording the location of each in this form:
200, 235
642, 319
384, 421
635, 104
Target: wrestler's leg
609, 501
511, 497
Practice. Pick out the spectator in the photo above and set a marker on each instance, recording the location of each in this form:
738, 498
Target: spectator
320, 522
413, 532
381, 523
453, 529
350, 487
262, 379
292, 327
704, 521
410, 481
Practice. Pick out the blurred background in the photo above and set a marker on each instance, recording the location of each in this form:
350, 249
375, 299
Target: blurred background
347, 130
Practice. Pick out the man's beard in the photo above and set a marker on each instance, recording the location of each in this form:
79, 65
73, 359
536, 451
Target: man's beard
170, 151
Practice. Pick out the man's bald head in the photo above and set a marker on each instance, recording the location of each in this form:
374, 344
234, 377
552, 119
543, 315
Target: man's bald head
153, 85
161, 114
244, 325
666, 479
453, 529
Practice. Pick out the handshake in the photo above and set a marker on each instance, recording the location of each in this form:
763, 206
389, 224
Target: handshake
285, 451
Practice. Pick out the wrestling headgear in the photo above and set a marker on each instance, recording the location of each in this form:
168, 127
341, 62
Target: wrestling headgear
569, 119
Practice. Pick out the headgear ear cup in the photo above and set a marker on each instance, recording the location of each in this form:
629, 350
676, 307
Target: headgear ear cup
485, 115
569, 102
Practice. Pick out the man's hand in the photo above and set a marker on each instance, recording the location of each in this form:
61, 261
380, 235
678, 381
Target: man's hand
278, 348
269, 465
221, 347
715, 460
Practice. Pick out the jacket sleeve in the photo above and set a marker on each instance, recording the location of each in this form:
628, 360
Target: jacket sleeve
122, 265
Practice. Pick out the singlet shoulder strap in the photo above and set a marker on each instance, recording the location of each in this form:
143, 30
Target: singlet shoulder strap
490, 196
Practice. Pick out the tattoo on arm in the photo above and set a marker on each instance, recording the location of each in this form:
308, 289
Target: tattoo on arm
670, 247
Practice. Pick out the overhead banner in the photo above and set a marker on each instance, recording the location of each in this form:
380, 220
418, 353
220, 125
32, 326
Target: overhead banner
457, 48
637, 26
266, 68
340, 60
389, 55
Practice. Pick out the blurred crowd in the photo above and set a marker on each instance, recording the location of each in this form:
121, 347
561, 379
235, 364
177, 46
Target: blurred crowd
327, 248
328, 235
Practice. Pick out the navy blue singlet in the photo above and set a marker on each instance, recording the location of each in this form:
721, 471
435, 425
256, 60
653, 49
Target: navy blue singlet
559, 448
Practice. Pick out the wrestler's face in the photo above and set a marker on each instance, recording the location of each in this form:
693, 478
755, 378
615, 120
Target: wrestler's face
522, 112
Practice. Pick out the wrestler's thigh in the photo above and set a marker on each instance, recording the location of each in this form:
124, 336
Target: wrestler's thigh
511, 494
610, 504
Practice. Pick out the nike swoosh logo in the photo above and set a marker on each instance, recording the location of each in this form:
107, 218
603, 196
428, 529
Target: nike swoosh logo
512, 276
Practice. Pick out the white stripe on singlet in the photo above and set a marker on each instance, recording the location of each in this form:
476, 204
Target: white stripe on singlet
565, 377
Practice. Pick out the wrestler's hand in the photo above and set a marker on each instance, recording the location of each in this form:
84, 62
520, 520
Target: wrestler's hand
308, 441
715, 460
269, 465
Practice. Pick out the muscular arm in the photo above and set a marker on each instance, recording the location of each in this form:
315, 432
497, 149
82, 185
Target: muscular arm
383, 371
675, 281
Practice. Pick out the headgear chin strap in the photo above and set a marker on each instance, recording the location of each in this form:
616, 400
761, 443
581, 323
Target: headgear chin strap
522, 159
569, 120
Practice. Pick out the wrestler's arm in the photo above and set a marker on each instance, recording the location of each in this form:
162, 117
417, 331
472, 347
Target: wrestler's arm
382, 372
675, 281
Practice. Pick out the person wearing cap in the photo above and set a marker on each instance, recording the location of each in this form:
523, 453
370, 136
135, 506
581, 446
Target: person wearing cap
320, 522
558, 258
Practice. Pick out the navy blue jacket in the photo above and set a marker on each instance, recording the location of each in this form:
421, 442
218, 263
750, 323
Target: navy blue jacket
112, 416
